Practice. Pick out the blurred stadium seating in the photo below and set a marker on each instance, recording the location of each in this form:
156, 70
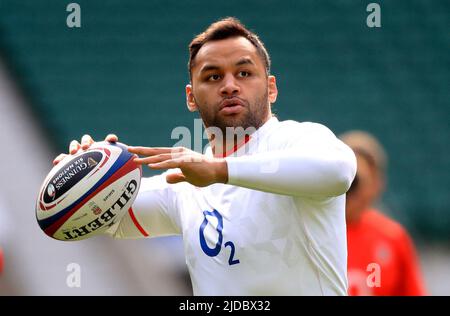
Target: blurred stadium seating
124, 71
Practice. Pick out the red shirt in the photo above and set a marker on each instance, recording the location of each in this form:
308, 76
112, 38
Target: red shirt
381, 258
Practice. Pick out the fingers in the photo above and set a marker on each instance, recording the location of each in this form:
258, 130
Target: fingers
112, 138
74, 147
58, 159
175, 178
152, 151
163, 157
86, 142
154, 159
168, 164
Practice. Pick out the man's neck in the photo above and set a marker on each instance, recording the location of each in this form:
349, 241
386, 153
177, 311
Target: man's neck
230, 143
228, 147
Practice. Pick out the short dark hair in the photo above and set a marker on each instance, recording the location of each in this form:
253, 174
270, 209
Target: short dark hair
223, 29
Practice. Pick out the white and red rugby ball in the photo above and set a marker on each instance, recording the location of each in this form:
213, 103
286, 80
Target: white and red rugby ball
87, 193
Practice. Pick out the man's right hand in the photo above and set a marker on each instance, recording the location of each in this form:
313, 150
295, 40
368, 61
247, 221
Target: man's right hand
86, 142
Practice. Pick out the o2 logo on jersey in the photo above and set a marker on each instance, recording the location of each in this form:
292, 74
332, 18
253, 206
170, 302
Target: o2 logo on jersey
212, 252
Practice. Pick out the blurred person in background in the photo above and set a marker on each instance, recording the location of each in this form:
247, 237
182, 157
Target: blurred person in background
382, 259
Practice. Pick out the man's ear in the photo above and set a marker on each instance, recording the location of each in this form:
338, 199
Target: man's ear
190, 100
273, 90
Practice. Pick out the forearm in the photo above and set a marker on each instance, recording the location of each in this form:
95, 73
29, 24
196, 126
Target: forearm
150, 215
325, 172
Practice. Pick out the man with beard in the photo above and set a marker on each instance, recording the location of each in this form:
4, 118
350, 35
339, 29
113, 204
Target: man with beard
261, 212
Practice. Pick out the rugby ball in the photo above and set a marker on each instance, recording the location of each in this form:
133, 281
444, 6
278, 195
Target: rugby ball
88, 192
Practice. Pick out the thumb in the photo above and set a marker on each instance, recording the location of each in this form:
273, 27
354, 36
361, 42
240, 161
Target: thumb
175, 178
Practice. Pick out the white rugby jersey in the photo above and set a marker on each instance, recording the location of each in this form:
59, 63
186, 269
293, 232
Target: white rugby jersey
277, 227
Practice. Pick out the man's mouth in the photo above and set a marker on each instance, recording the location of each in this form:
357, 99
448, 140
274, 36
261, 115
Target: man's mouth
231, 106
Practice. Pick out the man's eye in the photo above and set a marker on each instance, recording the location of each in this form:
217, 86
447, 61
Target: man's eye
244, 74
213, 78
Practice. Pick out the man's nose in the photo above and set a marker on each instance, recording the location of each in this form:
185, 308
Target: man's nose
230, 86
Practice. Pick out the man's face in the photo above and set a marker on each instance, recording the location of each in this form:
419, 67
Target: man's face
230, 86
362, 196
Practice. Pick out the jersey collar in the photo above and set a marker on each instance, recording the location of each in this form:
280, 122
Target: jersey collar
244, 147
